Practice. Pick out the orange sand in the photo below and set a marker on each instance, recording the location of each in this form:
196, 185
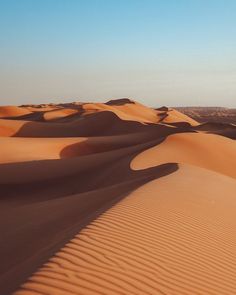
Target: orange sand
164, 238
115, 198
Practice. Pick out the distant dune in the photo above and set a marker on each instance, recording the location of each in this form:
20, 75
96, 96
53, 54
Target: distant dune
212, 114
117, 198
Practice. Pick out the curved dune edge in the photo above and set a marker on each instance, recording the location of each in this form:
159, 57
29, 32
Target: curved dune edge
56, 114
174, 116
174, 235
62, 167
95, 124
13, 111
32, 149
127, 110
208, 151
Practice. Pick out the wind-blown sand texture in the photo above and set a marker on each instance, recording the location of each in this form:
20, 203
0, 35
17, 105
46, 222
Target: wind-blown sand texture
115, 198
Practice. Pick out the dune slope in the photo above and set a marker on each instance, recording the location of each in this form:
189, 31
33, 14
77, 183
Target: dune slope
163, 238
115, 198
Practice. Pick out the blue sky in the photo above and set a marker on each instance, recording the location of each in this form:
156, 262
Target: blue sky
160, 52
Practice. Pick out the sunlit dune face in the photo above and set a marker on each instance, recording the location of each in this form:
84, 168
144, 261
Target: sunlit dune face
164, 236
174, 116
56, 114
13, 111
115, 198
131, 111
32, 149
10, 127
192, 148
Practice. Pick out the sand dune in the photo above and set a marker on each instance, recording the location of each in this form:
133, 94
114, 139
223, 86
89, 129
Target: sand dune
115, 198
132, 111
210, 114
29, 149
58, 114
192, 148
13, 111
173, 116
161, 239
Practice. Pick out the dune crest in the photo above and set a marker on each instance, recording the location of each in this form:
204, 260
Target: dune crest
116, 198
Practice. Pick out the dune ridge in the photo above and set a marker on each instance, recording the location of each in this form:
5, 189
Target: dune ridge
152, 245
115, 198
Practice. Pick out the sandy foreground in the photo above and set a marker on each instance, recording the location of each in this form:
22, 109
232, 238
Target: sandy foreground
115, 198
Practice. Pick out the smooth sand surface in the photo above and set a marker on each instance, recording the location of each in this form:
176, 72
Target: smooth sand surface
56, 114
192, 148
13, 111
129, 111
115, 198
174, 116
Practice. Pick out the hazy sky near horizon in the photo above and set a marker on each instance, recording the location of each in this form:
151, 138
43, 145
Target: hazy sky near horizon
160, 52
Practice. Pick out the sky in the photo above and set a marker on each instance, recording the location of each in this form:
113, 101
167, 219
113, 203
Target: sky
159, 52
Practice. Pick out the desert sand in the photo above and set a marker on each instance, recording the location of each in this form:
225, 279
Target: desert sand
210, 114
116, 198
